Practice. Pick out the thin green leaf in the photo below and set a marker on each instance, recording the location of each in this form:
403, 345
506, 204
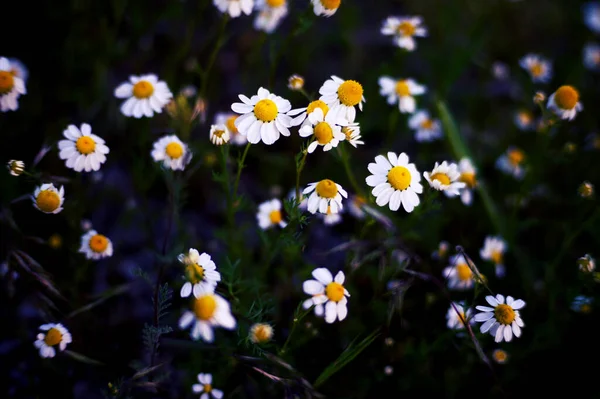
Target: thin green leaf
82, 358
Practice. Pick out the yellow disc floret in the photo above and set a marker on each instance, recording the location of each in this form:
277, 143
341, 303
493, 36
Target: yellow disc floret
98, 243
469, 179
504, 314
331, 4
399, 177
205, 307
566, 97
7, 82
515, 157
350, 93
230, 123
53, 337
317, 104
275, 3
442, 178
402, 88
266, 110
327, 189
323, 133
275, 217
194, 273
85, 145
406, 28
174, 150
334, 291
143, 89
47, 201
463, 272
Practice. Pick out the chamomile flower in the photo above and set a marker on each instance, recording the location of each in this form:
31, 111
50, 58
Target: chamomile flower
301, 114
442, 251
458, 274
55, 336
219, 134
352, 132
235, 8
565, 102
270, 14
404, 30
500, 356
586, 263
582, 304
48, 198
512, 162
341, 96
445, 177
324, 129
524, 120
95, 246
586, 190
456, 321
145, 95
82, 150
209, 310
591, 56
328, 295
539, 68
468, 175
330, 219
264, 117
295, 82
326, 195
172, 152
395, 181
401, 91
502, 320
199, 269
325, 7
591, 15
11, 86
15, 167
426, 128
493, 250
205, 387
260, 333
228, 120
269, 215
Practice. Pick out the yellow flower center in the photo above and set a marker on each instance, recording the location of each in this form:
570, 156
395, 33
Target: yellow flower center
406, 28
262, 333
275, 217
566, 97
537, 69
194, 273
500, 356
323, 133
55, 241
7, 82
53, 337
524, 118
231, 124
266, 110
359, 200
515, 157
463, 272
585, 308
317, 104
174, 150
47, 201
350, 93
399, 177
442, 178
326, 189
207, 388
468, 178
427, 124
331, 4
275, 3
205, 307
98, 243
334, 291
402, 88
85, 145
496, 257
596, 57
296, 82
461, 317
219, 133
143, 89
348, 132
504, 314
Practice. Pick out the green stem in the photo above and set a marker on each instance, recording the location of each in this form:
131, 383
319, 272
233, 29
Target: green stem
205, 73
239, 171
299, 167
349, 172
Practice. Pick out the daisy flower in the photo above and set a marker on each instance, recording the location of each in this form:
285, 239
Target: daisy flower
404, 30
324, 129
458, 274
219, 134
395, 181
328, 295
426, 129
56, 335
209, 310
456, 321
228, 120
260, 333
264, 117
48, 198
524, 120
586, 189
235, 8
11, 86
341, 96
468, 175
591, 15
512, 162
303, 113
352, 133
172, 152
18, 69
270, 14
582, 304
145, 95
295, 82
586, 263
591, 56
15, 168
82, 150
205, 386
502, 320
95, 246
326, 195
538, 67
493, 250
325, 7
445, 177
500, 356
565, 102
442, 251
269, 215
401, 91
199, 269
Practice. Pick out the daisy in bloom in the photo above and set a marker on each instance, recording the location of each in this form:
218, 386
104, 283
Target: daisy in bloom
295, 82
199, 269
502, 320
209, 310
468, 175
172, 152
426, 129
524, 120
228, 120
586, 263
56, 335
512, 162
263, 117
145, 95
352, 132
82, 150
326, 195
404, 30
219, 134
269, 215
235, 8
15, 168
303, 113
330, 219
324, 129
500, 356
205, 386
328, 295
538, 67
459, 274
591, 56
585, 189
48, 198
18, 69
395, 181
325, 7
270, 14
341, 96
582, 304
401, 91
260, 333
493, 250
95, 246
445, 177
591, 15
565, 102
456, 321
442, 251
11, 86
